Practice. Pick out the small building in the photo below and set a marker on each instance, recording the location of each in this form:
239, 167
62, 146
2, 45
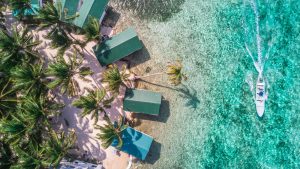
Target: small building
35, 5
142, 101
118, 47
70, 6
135, 143
90, 8
78, 165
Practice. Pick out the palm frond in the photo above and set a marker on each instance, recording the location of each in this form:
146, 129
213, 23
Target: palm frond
63, 74
175, 73
57, 146
92, 29
115, 77
16, 48
94, 103
110, 133
28, 78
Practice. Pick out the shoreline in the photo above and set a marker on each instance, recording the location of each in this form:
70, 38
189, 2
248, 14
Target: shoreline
86, 143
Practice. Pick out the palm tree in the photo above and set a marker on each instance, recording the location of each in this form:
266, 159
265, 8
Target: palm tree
13, 129
28, 121
94, 103
60, 40
6, 155
29, 78
64, 74
38, 109
8, 98
92, 30
29, 157
16, 48
55, 17
115, 78
111, 132
57, 146
175, 73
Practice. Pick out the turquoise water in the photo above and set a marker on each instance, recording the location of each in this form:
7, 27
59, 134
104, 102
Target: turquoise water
213, 121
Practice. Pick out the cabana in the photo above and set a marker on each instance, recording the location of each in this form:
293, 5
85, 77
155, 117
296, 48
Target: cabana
35, 6
135, 143
93, 8
118, 47
142, 101
71, 6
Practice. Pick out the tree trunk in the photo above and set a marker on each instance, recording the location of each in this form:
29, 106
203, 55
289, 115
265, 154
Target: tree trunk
154, 74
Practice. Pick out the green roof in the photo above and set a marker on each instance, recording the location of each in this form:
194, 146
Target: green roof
35, 6
118, 47
94, 8
35, 2
135, 143
70, 5
142, 101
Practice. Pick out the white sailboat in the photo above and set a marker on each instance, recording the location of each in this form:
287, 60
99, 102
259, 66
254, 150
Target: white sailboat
260, 96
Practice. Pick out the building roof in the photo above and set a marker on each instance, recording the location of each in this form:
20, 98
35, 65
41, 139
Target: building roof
135, 143
117, 47
142, 101
77, 165
70, 5
35, 6
94, 8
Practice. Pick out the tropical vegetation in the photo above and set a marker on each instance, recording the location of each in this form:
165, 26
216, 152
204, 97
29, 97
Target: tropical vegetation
94, 103
28, 81
111, 132
114, 77
27, 139
175, 73
56, 19
64, 74
16, 47
92, 30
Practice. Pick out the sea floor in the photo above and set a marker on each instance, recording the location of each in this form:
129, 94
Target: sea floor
210, 121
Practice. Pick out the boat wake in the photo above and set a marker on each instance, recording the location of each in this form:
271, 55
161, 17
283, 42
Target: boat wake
261, 84
250, 82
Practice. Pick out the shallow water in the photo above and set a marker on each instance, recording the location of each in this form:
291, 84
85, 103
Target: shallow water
213, 121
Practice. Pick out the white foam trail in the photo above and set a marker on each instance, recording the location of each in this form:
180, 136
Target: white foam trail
256, 64
258, 38
250, 82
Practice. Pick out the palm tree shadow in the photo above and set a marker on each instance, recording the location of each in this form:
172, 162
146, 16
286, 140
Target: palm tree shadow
85, 142
190, 95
